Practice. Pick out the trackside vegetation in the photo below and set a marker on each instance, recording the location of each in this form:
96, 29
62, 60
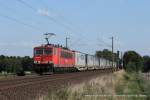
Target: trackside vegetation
119, 86
127, 84
132, 61
13, 64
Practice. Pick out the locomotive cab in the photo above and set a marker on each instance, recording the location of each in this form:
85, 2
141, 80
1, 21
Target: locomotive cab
43, 55
43, 61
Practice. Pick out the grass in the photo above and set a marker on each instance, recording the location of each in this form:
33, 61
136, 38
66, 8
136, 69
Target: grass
3, 75
132, 83
107, 87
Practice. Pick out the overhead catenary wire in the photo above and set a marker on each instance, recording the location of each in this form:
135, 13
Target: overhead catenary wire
18, 21
15, 12
10, 9
105, 44
26, 4
35, 10
60, 17
57, 21
50, 18
101, 42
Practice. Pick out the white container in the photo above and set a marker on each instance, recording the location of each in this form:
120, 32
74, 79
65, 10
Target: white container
80, 61
96, 62
90, 62
103, 63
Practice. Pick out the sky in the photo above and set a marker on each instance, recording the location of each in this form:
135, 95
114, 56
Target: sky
89, 24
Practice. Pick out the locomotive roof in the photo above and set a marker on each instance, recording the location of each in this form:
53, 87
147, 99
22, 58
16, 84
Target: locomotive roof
52, 45
60, 46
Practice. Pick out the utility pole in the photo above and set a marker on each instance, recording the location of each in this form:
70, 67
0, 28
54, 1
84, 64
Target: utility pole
112, 51
122, 60
112, 38
118, 57
67, 42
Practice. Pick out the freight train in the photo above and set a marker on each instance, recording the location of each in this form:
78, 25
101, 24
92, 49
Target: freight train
51, 58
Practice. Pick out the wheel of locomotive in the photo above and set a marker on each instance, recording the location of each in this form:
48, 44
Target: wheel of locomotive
37, 69
51, 68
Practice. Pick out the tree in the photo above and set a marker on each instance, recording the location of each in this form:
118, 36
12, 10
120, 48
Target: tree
146, 62
130, 67
27, 63
106, 54
134, 59
13, 64
2, 65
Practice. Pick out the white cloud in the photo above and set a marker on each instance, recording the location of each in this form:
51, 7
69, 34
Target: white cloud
43, 12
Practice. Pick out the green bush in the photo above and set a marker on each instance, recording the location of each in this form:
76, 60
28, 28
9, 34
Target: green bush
13, 64
132, 61
131, 67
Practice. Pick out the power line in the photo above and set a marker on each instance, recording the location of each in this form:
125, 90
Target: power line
53, 19
106, 44
49, 17
26, 4
101, 40
62, 18
18, 21
10, 9
15, 11
56, 21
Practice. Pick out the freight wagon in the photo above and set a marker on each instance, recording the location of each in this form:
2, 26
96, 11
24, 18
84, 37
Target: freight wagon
96, 62
80, 61
90, 62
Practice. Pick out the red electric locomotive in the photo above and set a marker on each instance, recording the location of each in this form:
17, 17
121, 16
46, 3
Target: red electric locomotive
52, 58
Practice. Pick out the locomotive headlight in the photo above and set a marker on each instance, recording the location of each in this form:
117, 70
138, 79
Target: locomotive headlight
35, 62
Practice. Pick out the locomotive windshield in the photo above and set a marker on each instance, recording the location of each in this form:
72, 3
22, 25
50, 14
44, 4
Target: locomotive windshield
38, 51
48, 51
43, 51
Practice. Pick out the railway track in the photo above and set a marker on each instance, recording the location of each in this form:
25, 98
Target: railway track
29, 86
31, 81
37, 79
24, 79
